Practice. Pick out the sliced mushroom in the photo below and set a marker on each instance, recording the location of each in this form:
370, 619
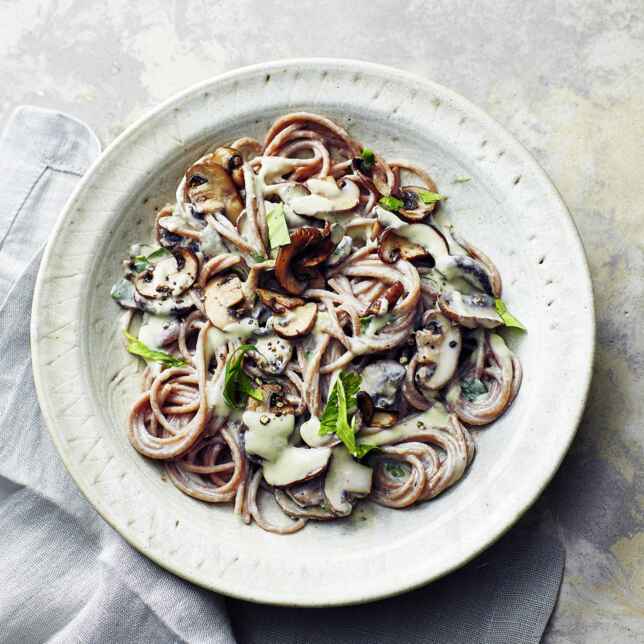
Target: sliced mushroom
210, 188
365, 407
296, 323
341, 251
387, 301
414, 208
220, 295
393, 247
128, 297
272, 354
296, 464
227, 158
438, 349
469, 310
307, 494
384, 419
278, 302
295, 511
382, 381
267, 434
302, 239
345, 481
466, 268
427, 236
327, 196
171, 275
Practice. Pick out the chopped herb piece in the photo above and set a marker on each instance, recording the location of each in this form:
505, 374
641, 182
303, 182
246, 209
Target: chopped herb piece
277, 228
391, 203
462, 179
159, 253
142, 263
506, 316
368, 158
237, 383
395, 469
430, 197
258, 257
472, 389
138, 348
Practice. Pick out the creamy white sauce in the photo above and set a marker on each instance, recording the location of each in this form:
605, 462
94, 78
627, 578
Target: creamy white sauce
437, 416
154, 330
215, 396
271, 170
267, 434
296, 464
310, 433
345, 477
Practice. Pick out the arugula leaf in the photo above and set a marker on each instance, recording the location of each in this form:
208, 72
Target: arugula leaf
462, 179
506, 316
335, 418
277, 228
368, 158
472, 389
237, 383
138, 348
427, 196
391, 203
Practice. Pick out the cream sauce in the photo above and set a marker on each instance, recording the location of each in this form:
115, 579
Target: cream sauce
296, 464
436, 417
267, 434
345, 477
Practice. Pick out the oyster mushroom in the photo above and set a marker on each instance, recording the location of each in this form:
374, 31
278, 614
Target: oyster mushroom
345, 481
326, 196
438, 347
171, 275
414, 208
469, 310
296, 323
272, 354
210, 189
382, 381
278, 302
295, 464
302, 240
221, 294
473, 272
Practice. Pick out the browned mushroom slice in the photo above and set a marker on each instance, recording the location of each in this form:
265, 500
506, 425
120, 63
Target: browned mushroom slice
484, 388
210, 189
301, 240
220, 295
438, 349
469, 310
414, 207
278, 302
387, 300
382, 418
227, 158
393, 247
296, 323
171, 275
473, 272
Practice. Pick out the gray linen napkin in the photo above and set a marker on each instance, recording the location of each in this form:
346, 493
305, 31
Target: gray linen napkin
65, 575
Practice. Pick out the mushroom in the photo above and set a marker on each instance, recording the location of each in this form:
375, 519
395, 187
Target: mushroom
430, 238
296, 511
438, 347
296, 323
220, 295
461, 266
412, 242
341, 251
124, 293
382, 381
210, 189
345, 481
388, 299
296, 464
365, 407
327, 196
469, 310
302, 240
414, 208
272, 354
306, 494
228, 158
383, 418
267, 434
171, 275
310, 434
278, 302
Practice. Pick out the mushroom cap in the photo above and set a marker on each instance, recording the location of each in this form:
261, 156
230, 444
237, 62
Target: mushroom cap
472, 271
326, 196
278, 302
210, 188
302, 239
170, 276
272, 354
414, 208
382, 381
469, 310
393, 247
221, 294
296, 323
438, 350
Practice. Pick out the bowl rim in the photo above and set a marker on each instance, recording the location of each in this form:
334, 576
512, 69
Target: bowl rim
585, 290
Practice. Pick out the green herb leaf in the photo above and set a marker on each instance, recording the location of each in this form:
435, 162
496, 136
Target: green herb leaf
373, 324
462, 179
142, 263
472, 389
506, 316
368, 158
395, 469
159, 253
430, 197
237, 383
138, 348
258, 257
391, 203
277, 228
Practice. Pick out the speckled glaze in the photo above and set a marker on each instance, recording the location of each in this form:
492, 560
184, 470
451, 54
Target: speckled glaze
509, 208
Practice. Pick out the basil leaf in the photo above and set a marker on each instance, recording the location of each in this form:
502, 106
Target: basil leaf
277, 228
462, 179
391, 203
368, 158
506, 316
237, 383
472, 389
430, 197
350, 384
138, 348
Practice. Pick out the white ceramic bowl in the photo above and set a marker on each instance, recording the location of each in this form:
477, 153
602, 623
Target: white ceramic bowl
509, 208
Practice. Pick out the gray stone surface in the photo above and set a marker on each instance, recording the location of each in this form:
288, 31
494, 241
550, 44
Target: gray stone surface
566, 78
